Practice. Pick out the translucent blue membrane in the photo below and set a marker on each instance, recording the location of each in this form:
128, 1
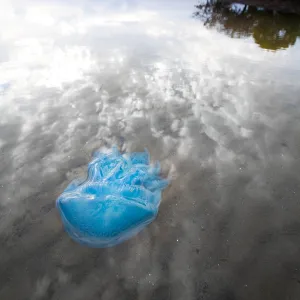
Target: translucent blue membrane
120, 196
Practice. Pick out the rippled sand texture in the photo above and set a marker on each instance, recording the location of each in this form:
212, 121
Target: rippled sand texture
222, 115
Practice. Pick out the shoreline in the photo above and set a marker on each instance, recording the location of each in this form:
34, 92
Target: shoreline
284, 6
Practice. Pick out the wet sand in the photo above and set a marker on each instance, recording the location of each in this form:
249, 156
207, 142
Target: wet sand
221, 115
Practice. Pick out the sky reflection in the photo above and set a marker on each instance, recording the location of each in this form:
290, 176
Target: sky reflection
221, 114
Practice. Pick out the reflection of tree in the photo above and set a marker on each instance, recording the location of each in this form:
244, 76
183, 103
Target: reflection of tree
270, 30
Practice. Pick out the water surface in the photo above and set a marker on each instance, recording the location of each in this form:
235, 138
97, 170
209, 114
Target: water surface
221, 114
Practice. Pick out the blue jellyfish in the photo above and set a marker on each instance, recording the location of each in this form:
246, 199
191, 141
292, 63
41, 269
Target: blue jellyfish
120, 196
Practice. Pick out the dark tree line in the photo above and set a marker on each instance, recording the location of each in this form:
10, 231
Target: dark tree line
269, 29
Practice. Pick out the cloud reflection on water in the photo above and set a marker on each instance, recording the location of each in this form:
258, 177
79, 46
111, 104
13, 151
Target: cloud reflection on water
221, 115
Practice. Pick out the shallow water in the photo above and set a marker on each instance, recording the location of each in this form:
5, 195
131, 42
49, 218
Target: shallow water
221, 114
